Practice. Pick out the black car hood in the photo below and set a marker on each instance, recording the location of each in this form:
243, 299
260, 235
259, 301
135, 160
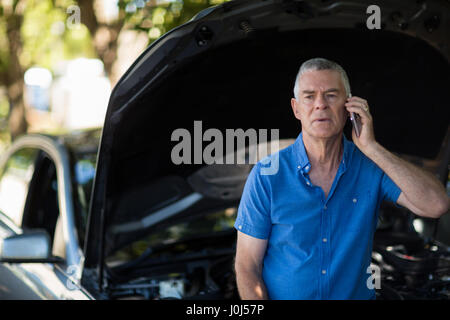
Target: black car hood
233, 66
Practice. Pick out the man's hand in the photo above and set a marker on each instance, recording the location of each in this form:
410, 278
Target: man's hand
366, 138
249, 259
421, 192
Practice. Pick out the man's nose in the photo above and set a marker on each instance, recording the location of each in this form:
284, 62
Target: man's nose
320, 102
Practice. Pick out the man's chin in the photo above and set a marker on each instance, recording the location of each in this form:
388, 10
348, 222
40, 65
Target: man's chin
324, 134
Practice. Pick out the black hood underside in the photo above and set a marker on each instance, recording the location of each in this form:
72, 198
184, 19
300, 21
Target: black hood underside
249, 85
243, 78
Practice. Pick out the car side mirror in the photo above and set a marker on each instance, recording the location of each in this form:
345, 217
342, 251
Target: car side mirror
27, 247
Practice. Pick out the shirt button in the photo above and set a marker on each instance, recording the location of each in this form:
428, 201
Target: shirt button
307, 182
307, 168
324, 207
324, 271
354, 200
240, 227
298, 167
324, 240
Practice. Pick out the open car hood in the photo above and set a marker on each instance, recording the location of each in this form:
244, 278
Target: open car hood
234, 66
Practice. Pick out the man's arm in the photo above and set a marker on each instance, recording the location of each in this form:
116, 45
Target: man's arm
421, 193
249, 259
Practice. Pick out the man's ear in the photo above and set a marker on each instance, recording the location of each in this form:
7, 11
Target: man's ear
295, 107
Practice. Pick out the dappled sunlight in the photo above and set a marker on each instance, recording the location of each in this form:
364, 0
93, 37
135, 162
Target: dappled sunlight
45, 34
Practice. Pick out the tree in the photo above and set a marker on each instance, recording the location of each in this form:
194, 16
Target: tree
104, 35
11, 71
28, 37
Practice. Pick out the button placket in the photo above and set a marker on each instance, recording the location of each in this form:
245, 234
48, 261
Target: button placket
325, 249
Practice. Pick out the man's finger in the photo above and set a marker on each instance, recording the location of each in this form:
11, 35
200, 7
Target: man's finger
355, 98
358, 109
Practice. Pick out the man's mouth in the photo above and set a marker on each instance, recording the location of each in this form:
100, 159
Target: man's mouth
321, 120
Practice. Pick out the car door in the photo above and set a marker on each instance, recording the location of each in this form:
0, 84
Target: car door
31, 198
15, 178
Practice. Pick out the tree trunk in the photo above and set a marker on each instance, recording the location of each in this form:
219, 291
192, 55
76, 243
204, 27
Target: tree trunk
14, 78
104, 36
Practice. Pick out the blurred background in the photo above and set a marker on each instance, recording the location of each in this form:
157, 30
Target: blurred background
60, 59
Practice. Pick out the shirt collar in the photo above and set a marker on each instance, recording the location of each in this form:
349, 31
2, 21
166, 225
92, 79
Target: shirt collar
301, 157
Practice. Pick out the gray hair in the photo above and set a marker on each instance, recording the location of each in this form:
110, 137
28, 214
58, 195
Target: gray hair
321, 64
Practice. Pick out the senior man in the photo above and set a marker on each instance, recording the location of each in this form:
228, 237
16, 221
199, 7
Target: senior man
306, 232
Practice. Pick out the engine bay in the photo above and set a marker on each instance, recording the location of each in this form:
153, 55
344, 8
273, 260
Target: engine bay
207, 274
411, 267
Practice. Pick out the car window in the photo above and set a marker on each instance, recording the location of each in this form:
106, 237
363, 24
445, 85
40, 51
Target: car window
84, 173
42, 207
14, 182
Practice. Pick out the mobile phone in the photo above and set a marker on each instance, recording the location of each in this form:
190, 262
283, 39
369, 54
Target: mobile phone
356, 120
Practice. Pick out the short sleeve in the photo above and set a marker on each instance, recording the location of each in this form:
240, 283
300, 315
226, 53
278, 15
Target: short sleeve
389, 190
253, 217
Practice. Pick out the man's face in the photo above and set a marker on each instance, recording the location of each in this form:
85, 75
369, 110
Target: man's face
320, 104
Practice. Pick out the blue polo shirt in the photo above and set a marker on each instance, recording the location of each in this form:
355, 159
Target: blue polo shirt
318, 248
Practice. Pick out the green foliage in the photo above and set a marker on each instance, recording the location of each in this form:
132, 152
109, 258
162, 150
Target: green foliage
4, 59
46, 37
157, 20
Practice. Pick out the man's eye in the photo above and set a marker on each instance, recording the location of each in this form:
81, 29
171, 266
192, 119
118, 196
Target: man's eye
331, 96
308, 97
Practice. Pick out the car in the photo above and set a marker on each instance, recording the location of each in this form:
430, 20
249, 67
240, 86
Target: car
45, 186
154, 228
